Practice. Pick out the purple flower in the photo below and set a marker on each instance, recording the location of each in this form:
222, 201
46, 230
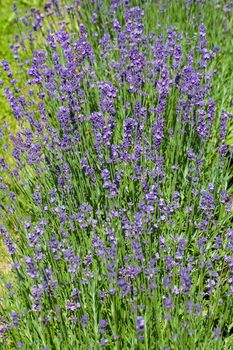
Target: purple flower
72, 306
85, 321
140, 324
217, 333
207, 203
223, 125
168, 303
104, 341
102, 326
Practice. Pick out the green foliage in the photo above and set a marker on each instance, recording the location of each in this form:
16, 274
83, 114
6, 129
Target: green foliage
9, 27
184, 330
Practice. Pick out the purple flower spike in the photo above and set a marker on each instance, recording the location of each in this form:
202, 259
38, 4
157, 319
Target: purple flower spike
140, 324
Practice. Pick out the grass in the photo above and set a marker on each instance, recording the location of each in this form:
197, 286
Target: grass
8, 30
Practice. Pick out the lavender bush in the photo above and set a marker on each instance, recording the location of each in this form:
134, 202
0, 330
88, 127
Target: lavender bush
118, 220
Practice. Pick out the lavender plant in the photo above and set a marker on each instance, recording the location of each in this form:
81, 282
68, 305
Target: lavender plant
118, 221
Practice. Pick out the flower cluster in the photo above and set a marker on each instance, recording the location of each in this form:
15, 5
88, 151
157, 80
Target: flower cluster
118, 219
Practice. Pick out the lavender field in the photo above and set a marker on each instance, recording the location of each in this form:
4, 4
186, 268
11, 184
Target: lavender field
116, 184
